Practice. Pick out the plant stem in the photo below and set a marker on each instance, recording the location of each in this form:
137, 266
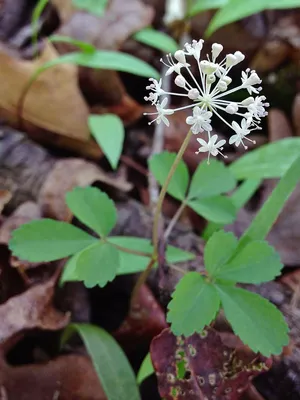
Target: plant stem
130, 251
155, 237
174, 220
163, 192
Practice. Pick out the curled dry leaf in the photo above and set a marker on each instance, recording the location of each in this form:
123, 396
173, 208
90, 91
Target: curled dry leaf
64, 378
201, 366
67, 174
54, 102
30, 310
145, 320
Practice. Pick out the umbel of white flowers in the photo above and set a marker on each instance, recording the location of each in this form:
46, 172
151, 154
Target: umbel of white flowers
206, 94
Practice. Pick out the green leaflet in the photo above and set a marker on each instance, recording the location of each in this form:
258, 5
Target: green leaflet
194, 305
108, 131
156, 39
93, 208
256, 321
48, 240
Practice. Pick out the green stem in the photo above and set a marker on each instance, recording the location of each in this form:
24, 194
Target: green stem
155, 236
174, 220
162, 194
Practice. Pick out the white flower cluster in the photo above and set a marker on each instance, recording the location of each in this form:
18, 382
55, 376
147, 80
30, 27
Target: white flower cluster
207, 92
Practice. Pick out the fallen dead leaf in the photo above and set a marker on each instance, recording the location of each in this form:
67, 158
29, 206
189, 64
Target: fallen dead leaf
53, 103
5, 196
296, 114
146, 319
69, 377
30, 310
67, 174
24, 213
211, 369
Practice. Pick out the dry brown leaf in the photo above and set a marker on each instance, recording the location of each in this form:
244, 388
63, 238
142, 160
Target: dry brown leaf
53, 103
70, 377
120, 21
5, 196
24, 213
30, 310
66, 175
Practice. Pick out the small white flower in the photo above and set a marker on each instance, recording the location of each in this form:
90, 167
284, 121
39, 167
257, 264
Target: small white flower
211, 146
206, 94
157, 90
161, 113
200, 120
250, 81
241, 133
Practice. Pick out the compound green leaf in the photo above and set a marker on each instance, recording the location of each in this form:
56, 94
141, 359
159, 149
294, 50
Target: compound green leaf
211, 180
97, 265
108, 130
112, 367
160, 165
258, 323
96, 7
194, 305
48, 240
93, 208
257, 262
156, 39
218, 250
219, 209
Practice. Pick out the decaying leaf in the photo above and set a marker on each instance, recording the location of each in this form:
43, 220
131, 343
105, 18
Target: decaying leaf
67, 174
279, 126
64, 378
30, 310
54, 102
145, 320
202, 367
5, 196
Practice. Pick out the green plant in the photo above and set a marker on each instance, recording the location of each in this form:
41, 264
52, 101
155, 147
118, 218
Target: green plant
233, 10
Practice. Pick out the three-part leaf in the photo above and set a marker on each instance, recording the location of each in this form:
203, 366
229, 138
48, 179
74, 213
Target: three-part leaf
93, 208
255, 320
194, 305
218, 209
48, 240
160, 165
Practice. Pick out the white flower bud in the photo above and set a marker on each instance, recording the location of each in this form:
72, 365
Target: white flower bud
208, 67
216, 49
180, 56
180, 81
239, 56
222, 86
227, 80
230, 60
232, 108
248, 101
211, 78
193, 94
